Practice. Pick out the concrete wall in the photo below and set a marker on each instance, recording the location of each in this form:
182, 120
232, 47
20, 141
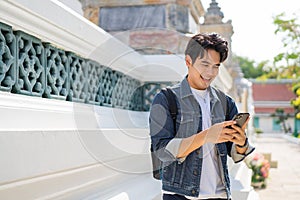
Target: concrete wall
63, 150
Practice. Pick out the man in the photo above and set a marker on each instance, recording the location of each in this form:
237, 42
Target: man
195, 156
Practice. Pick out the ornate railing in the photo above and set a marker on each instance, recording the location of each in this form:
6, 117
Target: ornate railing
32, 67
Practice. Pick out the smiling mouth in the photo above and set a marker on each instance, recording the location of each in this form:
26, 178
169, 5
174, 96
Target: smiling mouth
205, 79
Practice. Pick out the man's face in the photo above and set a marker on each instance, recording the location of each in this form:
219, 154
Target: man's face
204, 70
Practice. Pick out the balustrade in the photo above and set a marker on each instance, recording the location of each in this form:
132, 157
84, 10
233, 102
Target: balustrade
32, 67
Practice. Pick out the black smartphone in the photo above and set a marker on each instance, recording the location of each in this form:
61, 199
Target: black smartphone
240, 118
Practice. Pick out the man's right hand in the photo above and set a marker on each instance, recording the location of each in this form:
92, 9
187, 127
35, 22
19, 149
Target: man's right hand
220, 132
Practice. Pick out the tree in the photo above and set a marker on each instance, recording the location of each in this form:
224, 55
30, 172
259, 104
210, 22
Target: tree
296, 104
249, 68
289, 30
281, 118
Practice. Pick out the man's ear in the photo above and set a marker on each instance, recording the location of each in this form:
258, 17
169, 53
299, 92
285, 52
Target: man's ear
188, 60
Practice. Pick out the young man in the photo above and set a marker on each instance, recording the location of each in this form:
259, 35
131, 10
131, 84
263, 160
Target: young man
195, 156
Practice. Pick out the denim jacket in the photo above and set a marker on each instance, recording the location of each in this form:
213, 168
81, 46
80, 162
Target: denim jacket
182, 176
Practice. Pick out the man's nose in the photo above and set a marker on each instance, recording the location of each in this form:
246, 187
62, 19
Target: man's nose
210, 70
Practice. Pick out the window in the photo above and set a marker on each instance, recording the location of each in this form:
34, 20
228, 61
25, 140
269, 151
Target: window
256, 122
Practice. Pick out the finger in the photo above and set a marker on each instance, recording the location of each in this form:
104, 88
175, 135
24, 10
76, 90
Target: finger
238, 136
231, 138
240, 132
228, 123
229, 131
225, 137
237, 128
218, 128
245, 124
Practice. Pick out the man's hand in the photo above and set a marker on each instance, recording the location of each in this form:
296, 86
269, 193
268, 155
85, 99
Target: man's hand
220, 132
215, 134
239, 137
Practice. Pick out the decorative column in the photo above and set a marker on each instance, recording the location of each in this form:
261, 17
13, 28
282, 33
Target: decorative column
213, 22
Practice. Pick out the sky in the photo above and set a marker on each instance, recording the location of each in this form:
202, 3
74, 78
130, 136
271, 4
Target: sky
253, 25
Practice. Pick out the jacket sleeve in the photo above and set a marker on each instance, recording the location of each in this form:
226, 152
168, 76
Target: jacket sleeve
161, 128
236, 157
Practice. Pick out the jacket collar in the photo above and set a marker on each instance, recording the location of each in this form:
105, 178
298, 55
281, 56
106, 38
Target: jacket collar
185, 91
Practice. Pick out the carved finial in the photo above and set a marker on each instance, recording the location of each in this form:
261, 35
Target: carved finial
213, 14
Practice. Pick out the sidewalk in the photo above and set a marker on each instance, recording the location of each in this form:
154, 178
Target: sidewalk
284, 181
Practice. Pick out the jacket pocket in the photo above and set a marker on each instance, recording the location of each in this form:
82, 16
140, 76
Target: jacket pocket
186, 124
173, 173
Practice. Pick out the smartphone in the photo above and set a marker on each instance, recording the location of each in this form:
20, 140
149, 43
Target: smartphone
240, 118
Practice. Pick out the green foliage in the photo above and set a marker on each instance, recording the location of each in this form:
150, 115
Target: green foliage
281, 118
295, 102
296, 86
258, 131
264, 70
289, 31
289, 28
249, 68
285, 65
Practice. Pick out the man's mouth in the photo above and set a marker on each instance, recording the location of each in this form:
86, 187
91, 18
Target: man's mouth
206, 79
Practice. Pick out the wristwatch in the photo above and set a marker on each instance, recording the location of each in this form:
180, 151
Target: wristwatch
245, 144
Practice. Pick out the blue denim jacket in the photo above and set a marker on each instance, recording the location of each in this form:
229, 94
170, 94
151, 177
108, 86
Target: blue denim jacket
182, 176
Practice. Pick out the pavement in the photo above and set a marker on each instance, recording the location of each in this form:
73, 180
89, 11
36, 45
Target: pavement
283, 181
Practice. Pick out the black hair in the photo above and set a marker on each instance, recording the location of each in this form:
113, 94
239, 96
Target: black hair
203, 41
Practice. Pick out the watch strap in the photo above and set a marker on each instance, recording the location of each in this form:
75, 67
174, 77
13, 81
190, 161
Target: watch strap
245, 144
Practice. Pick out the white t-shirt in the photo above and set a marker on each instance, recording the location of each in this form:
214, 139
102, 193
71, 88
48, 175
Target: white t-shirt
211, 185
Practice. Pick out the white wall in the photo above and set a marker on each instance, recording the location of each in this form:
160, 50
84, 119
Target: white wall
53, 148
266, 124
